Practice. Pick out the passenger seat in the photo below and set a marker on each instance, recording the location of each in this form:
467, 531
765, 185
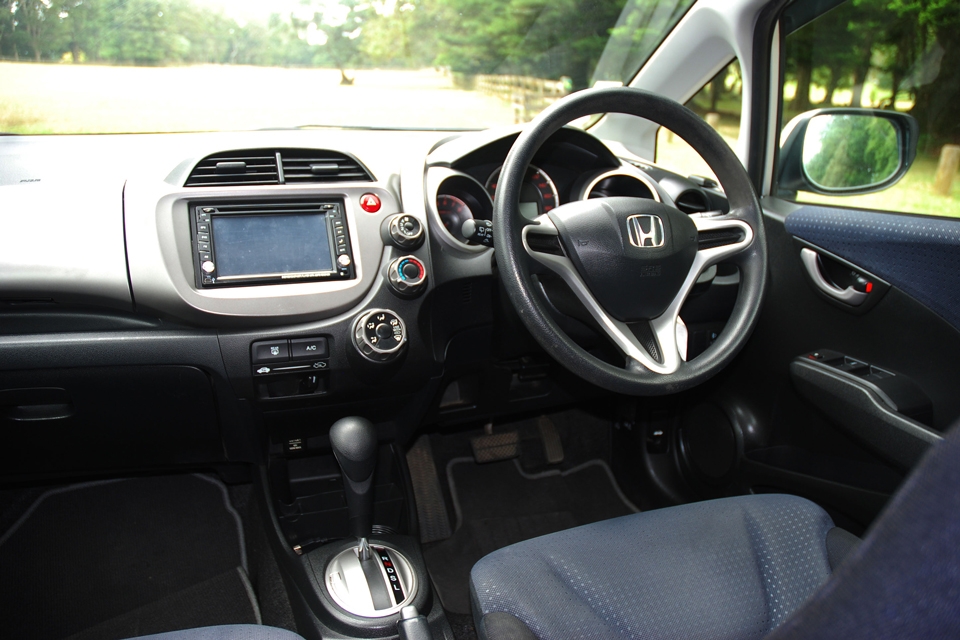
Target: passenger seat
226, 632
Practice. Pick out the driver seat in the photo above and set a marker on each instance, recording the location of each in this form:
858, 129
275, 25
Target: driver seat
746, 567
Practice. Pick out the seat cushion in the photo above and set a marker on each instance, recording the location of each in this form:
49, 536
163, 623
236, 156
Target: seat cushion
729, 568
903, 580
226, 632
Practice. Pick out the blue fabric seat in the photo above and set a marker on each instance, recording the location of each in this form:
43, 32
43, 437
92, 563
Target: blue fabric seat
739, 568
730, 568
226, 632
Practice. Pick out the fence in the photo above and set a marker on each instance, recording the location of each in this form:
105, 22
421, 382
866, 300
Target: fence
529, 96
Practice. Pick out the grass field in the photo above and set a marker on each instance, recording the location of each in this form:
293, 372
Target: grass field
62, 98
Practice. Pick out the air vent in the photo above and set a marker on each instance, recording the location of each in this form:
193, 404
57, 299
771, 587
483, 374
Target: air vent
307, 165
260, 167
236, 168
692, 201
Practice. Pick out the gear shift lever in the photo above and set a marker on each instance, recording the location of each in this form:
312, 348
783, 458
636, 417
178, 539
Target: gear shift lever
367, 582
354, 442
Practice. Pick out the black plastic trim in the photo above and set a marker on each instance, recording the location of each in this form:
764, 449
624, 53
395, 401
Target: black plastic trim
855, 406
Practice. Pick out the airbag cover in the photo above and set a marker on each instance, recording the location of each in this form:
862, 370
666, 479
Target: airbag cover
628, 273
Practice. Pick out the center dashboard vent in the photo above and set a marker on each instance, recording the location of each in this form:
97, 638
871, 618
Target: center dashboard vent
276, 166
306, 165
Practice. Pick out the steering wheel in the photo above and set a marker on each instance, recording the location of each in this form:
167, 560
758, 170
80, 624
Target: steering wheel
631, 262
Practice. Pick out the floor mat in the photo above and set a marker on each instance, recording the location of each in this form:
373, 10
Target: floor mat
497, 504
121, 558
431, 510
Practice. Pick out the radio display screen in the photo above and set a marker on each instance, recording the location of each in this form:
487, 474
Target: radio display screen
276, 244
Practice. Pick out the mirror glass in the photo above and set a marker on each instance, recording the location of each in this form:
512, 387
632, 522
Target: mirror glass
850, 151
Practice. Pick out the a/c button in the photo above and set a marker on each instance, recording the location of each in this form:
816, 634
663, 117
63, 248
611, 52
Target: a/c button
308, 348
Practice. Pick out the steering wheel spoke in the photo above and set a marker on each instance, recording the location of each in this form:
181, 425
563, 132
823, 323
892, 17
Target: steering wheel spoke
719, 238
538, 241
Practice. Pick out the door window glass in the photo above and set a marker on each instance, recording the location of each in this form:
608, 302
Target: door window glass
886, 54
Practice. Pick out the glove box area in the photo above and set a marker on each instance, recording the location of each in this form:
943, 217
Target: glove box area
112, 417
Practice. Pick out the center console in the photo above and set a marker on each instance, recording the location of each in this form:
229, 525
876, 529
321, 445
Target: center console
372, 583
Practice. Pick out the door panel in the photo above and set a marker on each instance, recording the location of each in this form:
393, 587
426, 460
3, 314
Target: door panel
917, 254
791, 444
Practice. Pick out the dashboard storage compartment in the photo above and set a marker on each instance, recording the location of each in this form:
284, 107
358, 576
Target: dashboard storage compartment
94, 418
310, 498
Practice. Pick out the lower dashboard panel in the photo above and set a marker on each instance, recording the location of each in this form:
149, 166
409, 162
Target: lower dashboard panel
91, 418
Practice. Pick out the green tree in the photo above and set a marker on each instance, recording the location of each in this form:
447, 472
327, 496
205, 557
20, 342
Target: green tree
7, 8
37, 19
853, 151
533, 37
638, 31
82, 23
927, 65
338, 29
469, 41
401, 35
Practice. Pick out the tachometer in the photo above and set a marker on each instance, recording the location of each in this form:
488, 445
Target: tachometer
538, 194
453, 213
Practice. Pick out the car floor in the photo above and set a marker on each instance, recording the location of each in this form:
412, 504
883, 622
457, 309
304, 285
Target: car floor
501, 502
119, 558
131, 556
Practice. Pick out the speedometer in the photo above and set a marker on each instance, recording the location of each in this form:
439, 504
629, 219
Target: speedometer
537, 195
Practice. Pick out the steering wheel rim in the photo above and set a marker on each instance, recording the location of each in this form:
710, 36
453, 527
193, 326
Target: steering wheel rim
515, 256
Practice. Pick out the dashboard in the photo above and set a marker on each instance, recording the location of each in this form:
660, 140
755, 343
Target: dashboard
302, 272
572, 166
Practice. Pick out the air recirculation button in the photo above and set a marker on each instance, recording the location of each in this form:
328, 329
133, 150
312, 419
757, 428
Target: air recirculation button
379, 335
407, 276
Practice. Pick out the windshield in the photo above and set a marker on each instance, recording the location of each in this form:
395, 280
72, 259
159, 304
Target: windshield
105, 66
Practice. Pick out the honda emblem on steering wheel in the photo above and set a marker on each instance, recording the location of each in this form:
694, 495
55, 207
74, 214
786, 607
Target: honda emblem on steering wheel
645, 231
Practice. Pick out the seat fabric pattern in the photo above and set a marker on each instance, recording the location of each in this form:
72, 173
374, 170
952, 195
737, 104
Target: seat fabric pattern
226, 632
903, 580
721, 569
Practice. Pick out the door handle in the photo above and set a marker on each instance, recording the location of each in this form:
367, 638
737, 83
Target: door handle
850, 296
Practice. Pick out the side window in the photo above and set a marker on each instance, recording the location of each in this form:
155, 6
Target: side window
890, 55
719, 102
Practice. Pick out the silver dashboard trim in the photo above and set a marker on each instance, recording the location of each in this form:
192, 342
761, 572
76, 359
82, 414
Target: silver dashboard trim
433, 180
63, 240
626, 171
161, 257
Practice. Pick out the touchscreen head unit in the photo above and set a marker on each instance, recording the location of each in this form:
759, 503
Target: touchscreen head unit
250, 243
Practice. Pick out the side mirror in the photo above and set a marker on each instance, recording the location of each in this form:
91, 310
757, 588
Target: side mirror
846, 151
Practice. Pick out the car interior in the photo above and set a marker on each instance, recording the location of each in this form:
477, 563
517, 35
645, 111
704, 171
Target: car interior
508, 383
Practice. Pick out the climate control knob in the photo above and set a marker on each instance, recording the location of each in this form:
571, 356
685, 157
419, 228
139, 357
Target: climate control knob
405, 231
379, 335
407, 276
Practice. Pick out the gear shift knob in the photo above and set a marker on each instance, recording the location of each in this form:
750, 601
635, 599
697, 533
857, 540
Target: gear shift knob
354, 442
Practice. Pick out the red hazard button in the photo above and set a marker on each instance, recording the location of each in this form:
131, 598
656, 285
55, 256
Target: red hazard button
370, 203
